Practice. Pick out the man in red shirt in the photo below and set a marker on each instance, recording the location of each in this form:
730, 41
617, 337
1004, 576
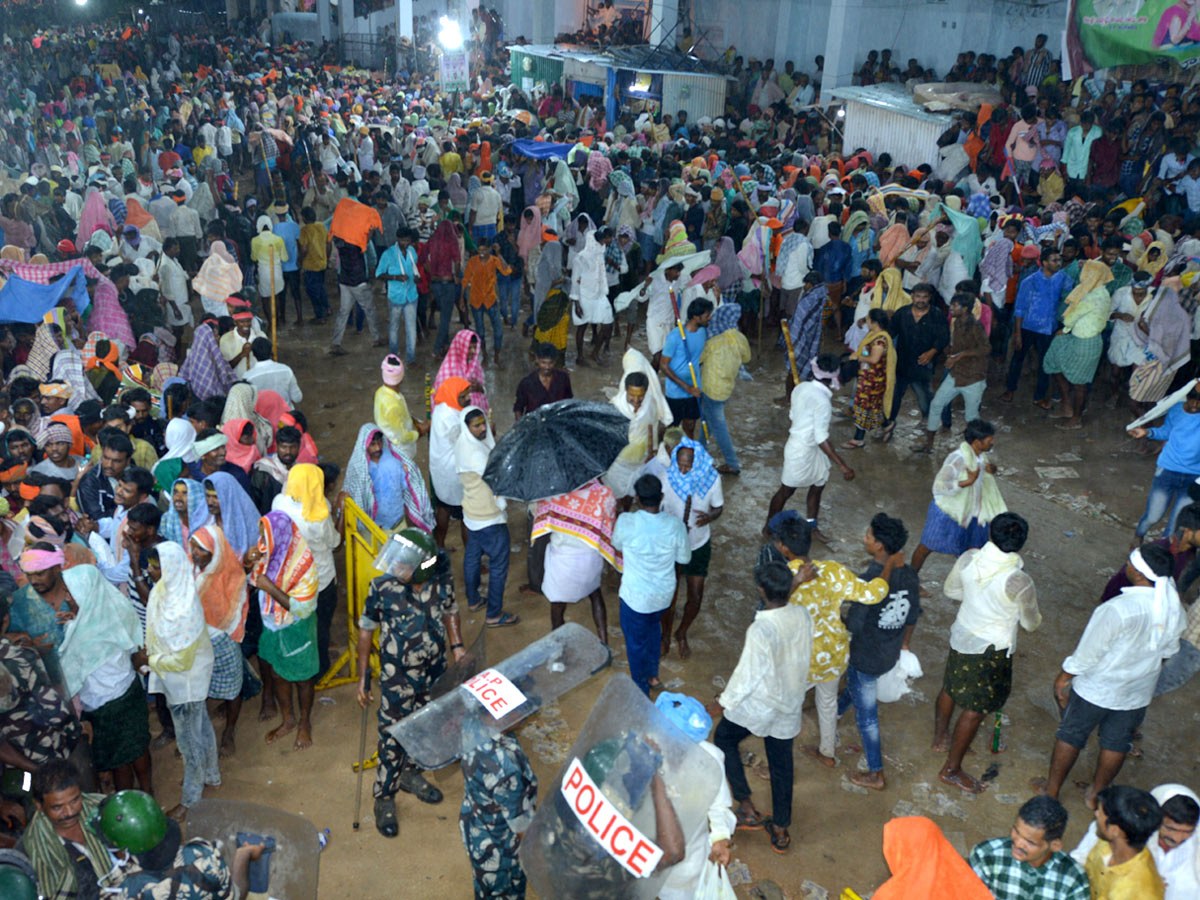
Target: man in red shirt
168, 159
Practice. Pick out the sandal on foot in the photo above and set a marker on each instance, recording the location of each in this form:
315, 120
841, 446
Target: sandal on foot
755, 822
780, 839
505, 620
726, 469
475, 607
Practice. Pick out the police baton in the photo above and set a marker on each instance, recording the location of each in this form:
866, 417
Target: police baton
362, 761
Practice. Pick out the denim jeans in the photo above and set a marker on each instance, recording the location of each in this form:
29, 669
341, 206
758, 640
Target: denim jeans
358, 296
1178, 670
921, 386
327, 603
314, 286
197, 744
972, 396
407, 312
1168, 493
779, 763
508, 298
483, 233
492, 542
714, 416
491, 312
860, 693
1001, 328
445, 293
643, 644
1039, 344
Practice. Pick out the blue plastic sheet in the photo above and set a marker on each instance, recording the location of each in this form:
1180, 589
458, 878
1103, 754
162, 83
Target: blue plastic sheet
27, 301
541, 149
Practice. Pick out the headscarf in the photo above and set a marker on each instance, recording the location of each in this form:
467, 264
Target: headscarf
308, 447
731, 267
724, 318
925, 865
1191, 846
456, 363
219, 276
41, 353
95, 216
222, 584
1166, 612
270, 408
586, 514
204, 368
242, 455
239, 517
699, 478
458, 194
863, 240
1151, 265
358, 485
471, 453
174, 615
888, 293
287, 561
889, 357
392, 370
564, 184
171, 527
530, 235
109, 360
1094, 274
306, 485
240, 404
449, 390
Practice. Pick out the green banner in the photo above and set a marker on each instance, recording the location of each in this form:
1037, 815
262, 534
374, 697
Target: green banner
1103, 33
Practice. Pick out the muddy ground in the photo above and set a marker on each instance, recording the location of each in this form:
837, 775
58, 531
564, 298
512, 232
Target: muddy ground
1080, 528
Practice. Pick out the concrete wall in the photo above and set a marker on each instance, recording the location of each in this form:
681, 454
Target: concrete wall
934, 31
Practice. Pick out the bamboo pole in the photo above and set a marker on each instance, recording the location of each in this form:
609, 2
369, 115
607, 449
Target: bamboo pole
274, 316
787, 339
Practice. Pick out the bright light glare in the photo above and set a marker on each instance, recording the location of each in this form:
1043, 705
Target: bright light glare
841, 114
450, 37
81, 2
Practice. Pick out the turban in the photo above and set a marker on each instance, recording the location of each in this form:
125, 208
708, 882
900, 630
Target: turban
54, 433
393, 370
211, 443
55, 389
40, 560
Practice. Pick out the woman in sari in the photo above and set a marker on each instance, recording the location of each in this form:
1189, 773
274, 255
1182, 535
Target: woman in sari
180, 438
464, 360
187, 512
270, 407
385, 484
282, 570
221, 584
241, 449
240, 404
180, 656
876, 379
551, 305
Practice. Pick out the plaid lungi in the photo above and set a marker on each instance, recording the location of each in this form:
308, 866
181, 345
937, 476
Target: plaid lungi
228, 666
1076, 358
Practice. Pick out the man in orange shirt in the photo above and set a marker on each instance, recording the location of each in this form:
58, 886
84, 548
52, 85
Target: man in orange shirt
479, 287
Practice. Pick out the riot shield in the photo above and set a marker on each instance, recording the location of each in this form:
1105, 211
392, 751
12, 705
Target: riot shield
497, 698
464, 669
594, 836
295, 862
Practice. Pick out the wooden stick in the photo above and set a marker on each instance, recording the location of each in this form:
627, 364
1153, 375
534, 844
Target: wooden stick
787, 339
274, 317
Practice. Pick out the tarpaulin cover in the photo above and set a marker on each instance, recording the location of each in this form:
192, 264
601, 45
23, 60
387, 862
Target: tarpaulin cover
541, 149
27, 301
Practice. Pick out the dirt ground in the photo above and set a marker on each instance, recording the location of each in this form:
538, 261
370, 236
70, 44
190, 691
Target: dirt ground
1080, 527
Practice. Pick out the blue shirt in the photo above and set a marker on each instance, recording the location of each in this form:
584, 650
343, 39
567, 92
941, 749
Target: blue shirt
391, 263
652, 543
1181, 431
674, 350
289, 232
1038, 298
832, 261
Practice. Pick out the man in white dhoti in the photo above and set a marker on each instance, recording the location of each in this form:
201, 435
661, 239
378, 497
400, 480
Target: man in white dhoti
640, 399
660, 313
808, 452
589, 295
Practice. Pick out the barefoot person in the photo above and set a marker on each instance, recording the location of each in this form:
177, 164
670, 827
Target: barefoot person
1113, 671
996, 596
808, 451
281, 567
1076, 348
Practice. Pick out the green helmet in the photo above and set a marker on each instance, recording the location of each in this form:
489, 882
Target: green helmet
131, 820
410, 547
17, 880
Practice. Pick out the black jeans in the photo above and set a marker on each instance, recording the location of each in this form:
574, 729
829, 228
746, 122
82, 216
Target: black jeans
327, 601
920, 385
779, 761
1039, 344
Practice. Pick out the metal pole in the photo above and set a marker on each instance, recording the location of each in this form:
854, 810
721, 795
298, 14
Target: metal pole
362, 761
274, 317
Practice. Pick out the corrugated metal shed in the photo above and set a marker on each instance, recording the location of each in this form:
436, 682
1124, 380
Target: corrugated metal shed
884, 117
700, 95
542, 68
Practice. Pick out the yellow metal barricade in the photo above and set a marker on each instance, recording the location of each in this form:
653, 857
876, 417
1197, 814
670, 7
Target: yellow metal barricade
362, 539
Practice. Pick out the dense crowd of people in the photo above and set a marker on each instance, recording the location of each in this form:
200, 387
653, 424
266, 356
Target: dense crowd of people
169, 523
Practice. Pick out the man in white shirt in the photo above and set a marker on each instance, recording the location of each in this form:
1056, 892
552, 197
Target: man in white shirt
1114, 669
996, 596
485, 210
268, 375
173, 284
763, 697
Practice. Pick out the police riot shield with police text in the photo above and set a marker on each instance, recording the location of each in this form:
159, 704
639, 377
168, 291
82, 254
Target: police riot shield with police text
500, 696
295, 860
596, 833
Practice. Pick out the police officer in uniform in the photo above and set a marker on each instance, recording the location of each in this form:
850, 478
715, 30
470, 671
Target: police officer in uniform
413, 605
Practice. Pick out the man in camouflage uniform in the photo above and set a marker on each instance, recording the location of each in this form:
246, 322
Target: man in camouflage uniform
36, 721
413, 606
499, 800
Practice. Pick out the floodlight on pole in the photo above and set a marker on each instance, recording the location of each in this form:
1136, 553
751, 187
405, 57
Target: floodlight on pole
450, 36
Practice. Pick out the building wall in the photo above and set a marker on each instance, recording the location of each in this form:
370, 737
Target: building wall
934, 31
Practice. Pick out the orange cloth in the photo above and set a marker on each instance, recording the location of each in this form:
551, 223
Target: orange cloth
353, 221
892, 243
974, 142
449, 390
480, 280
81, 444
925, 866
221, 586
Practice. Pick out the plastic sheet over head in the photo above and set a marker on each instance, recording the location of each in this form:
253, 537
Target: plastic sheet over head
440, 732
594, 836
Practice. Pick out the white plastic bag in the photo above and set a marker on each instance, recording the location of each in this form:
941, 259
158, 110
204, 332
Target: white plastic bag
714, 883
893, 685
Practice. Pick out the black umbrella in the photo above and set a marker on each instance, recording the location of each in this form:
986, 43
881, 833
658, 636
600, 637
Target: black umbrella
556, 449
